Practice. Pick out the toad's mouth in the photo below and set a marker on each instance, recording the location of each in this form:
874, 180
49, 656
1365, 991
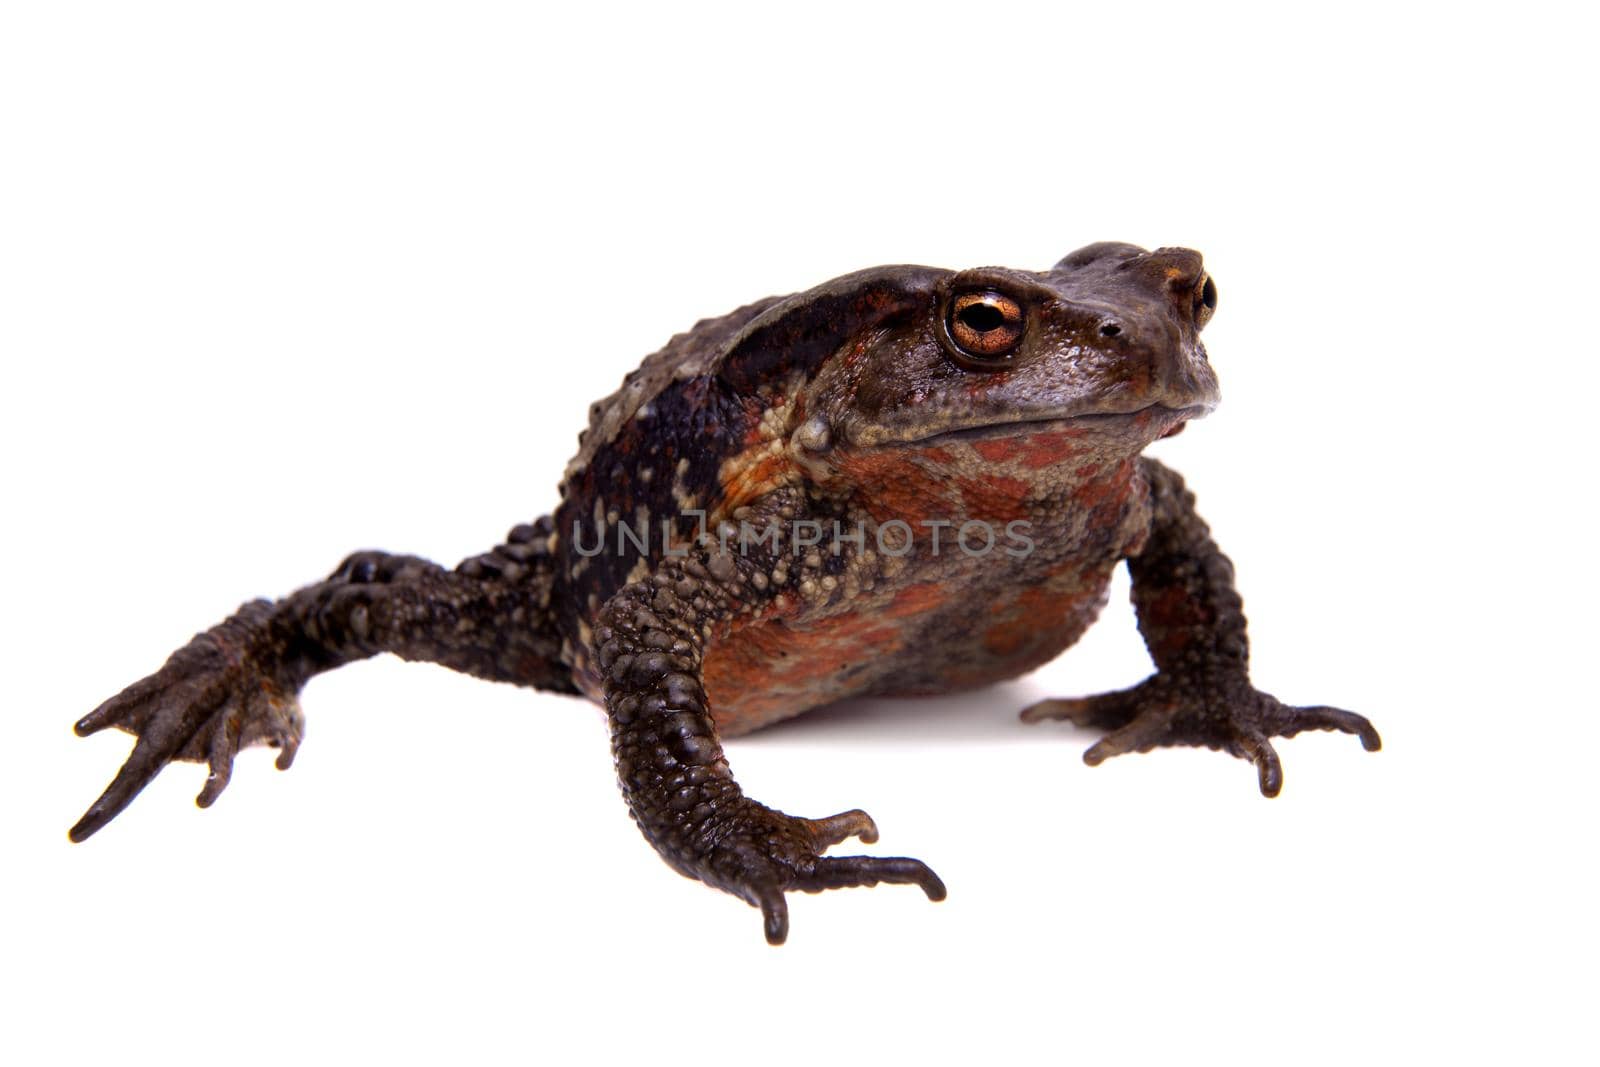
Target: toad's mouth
1151, 422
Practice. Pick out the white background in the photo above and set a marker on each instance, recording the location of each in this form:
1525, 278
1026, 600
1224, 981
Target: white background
281, 281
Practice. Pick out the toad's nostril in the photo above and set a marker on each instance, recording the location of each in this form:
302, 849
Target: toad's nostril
1110, 329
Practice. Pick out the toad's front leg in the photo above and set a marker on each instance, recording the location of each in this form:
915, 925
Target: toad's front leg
670, 764
1193, 623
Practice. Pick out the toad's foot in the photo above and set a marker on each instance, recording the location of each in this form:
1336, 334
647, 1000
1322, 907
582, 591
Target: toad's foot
212, 697
1224, 712
759, 854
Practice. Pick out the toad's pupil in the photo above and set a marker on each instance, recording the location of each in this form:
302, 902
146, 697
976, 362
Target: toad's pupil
982, 317
1208, 294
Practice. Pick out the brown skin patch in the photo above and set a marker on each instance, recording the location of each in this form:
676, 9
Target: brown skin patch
1047, 449
998, 450
770, 670
1103, 494
1176, 620
903, 485
998, 499
1024, 618
1031, 627
916, 600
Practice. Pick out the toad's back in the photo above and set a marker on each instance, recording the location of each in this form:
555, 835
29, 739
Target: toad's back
698, 430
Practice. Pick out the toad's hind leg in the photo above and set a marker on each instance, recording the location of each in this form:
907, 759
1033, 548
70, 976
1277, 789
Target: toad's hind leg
1193, 624
238, 683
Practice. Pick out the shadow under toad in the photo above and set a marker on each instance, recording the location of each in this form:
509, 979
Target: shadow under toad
988, 715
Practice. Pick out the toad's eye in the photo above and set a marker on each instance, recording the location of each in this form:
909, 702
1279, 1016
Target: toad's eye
985, 326
1205, 301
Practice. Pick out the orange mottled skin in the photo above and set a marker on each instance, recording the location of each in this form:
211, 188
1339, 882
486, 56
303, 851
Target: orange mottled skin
915, 635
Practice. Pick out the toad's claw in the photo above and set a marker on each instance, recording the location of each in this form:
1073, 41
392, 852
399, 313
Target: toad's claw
1225, 713
842, 872
842, 827
210, 698
771, 854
